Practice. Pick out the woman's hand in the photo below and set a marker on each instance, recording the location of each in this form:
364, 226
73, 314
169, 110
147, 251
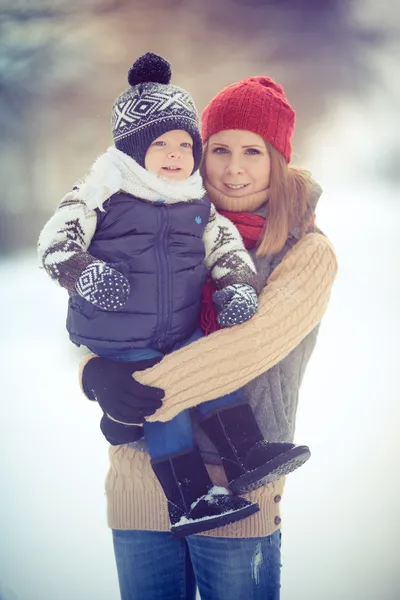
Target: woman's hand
121, 397
117, 433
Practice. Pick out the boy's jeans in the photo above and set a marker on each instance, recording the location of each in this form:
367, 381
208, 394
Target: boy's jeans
176, 435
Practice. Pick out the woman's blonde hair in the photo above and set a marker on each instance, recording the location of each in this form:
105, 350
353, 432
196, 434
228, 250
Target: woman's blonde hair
288, 197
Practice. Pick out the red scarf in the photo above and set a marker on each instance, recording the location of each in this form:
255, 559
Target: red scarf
250, 227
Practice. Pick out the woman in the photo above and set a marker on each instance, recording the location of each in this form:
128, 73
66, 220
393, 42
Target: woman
247, 130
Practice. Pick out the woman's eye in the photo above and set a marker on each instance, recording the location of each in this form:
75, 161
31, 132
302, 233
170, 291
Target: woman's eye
252, 151
219, 150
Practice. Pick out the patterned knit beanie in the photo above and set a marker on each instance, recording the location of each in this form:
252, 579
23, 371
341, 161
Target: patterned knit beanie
150, 107
257, 104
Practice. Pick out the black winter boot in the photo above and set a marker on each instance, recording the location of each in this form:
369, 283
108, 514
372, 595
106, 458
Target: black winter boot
249, 460
194, 503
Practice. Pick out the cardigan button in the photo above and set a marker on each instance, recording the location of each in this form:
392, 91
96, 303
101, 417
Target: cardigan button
277, 520
277, 498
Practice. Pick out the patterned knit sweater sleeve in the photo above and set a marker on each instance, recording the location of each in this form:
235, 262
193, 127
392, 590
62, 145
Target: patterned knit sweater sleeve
292, 303
226, 257
63, 241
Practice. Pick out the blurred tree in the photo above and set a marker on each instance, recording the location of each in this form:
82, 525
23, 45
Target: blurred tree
317, 50
62, 64
39, 58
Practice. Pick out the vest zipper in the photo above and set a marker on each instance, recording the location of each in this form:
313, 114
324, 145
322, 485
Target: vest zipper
164, 300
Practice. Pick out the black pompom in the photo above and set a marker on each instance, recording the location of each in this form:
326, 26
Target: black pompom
149, 68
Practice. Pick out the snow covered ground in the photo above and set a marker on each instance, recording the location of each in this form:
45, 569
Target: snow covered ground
54, 543
340, 511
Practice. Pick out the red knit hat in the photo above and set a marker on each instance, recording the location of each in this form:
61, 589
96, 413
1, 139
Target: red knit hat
257, 104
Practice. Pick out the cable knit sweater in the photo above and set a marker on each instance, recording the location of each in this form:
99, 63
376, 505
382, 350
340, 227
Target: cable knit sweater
267, 355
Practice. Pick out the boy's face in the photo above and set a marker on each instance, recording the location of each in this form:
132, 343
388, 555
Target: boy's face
171, 155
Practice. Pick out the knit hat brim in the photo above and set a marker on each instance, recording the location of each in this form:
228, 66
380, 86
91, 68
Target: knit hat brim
256, 104
135, 144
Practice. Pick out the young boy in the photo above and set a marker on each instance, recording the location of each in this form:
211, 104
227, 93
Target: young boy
133, 245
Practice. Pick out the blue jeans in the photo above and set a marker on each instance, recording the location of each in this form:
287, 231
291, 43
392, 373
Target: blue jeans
176, 435
153, 565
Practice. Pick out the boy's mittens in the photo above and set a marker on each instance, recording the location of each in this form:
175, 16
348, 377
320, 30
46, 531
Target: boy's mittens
103, 286
235, 304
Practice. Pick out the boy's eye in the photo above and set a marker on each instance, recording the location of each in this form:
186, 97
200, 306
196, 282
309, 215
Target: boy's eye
219, 150
186, 145
158, 143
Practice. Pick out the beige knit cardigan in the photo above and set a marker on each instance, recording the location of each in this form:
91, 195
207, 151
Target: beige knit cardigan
292, 303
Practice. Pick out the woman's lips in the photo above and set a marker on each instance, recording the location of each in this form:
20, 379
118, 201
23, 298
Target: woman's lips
235, 186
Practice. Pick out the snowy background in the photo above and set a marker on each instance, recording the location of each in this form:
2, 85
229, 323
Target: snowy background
341, 516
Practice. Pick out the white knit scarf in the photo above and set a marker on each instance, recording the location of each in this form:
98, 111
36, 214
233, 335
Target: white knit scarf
115, 171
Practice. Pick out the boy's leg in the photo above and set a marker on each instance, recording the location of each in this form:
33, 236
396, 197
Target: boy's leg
233, 399
173, 437
193, 504
176, 435
249, 460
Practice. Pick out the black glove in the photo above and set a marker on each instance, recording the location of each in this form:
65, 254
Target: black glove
117, 433
111, 383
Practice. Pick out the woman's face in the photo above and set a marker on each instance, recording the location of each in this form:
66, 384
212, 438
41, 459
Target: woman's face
237, 163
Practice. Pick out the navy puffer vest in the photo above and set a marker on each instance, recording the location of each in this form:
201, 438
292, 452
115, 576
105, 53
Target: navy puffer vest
162, 250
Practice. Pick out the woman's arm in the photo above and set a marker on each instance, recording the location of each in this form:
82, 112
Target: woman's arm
290, 306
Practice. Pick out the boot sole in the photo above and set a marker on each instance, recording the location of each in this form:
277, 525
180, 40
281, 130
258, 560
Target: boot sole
271, 471
208, 523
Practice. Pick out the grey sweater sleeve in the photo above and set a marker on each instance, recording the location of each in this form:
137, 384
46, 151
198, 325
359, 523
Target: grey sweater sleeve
63, 241
226, 257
